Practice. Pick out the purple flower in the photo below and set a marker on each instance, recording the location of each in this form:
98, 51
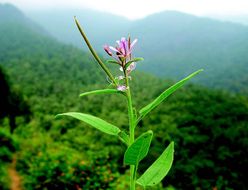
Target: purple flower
123, 50
122, 54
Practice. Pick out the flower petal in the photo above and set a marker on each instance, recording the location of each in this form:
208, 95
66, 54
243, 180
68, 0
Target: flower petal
133, 43
123, 39
112, 48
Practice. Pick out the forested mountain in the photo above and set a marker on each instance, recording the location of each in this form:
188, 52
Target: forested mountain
9, 14
40, 61
172, 43
209, 127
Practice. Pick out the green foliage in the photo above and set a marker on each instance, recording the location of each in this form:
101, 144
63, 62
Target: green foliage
124, 138
4, 177
112, 61
11, 100
144, 111
159, 169
8, 145
95, 122
217, 121
5, 93
139, 149
122, 183
56, 168
136, 59
103, 91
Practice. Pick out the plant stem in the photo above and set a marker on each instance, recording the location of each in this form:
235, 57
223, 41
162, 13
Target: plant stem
131, 130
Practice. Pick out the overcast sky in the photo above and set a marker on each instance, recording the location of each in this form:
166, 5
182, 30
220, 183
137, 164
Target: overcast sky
139, 8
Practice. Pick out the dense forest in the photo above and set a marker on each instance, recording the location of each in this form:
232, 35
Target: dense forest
44, 77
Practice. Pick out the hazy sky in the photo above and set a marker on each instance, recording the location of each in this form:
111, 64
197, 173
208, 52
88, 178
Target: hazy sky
139, 8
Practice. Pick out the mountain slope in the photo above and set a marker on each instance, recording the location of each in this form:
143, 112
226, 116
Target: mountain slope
39, 65
11, 14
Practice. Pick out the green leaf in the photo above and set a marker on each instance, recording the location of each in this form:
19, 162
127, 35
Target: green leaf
145, 110
112, 61
103, 91
159, 169
133, 60
94, 122
139, 149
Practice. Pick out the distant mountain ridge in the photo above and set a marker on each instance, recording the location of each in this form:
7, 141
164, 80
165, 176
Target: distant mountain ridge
9, 13
238, 18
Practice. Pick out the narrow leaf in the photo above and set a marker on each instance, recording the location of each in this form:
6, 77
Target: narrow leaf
136, 59
106, 70
112, 61
145, 110
102, 91
133, 60
124, 137
94, 122
159, 169
139, 149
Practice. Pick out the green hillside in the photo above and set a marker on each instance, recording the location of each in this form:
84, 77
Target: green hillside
209, 127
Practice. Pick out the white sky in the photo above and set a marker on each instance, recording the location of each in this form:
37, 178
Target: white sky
139, 8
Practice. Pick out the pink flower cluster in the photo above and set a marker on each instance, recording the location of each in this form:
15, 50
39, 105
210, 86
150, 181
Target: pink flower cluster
122, 54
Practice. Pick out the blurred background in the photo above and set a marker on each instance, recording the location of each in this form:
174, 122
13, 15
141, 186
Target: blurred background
45, 65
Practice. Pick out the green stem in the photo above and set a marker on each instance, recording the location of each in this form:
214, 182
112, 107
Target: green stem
131, 130
94, 53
